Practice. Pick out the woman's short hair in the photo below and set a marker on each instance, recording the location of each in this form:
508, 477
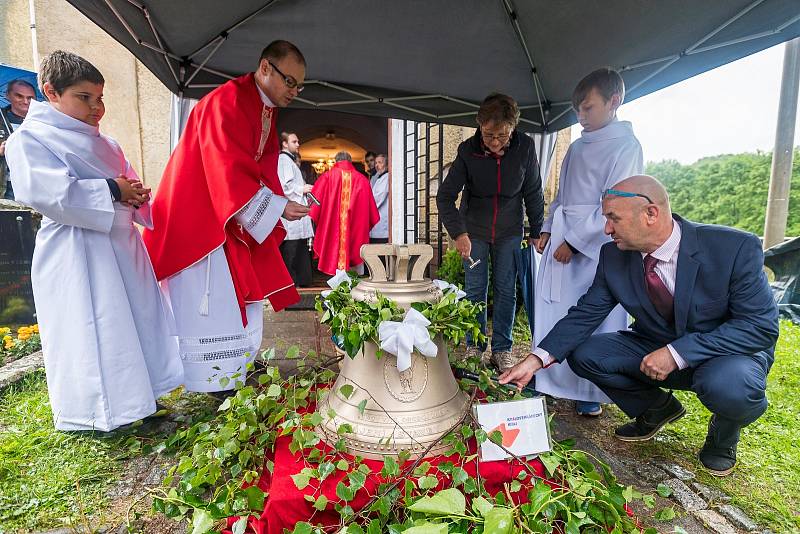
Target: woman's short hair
498, 108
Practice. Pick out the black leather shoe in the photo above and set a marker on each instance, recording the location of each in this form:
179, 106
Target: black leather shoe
718, 454
651, 421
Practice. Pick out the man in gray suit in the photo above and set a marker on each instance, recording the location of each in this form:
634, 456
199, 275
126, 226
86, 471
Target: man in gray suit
704, 321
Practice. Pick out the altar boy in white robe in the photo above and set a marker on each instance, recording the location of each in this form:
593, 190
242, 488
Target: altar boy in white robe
109, 352
606, 153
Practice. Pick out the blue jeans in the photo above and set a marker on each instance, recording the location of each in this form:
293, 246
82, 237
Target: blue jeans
504, 278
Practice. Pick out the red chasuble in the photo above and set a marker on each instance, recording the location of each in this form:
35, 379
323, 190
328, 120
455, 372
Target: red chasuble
344, 218
220, 163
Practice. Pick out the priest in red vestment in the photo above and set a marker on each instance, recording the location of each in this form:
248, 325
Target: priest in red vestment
346, 214
214, 245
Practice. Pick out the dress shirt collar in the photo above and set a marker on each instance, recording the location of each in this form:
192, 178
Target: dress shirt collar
264, 98
667, 250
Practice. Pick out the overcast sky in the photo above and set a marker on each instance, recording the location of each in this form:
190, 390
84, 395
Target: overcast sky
728, 110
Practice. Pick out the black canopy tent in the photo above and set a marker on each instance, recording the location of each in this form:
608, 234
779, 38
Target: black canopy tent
435, 61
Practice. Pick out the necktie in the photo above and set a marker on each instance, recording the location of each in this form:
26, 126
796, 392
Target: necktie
659, 294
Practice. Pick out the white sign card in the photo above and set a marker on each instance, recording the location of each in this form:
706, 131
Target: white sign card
523, 424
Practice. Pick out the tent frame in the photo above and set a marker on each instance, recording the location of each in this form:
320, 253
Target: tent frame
180, 66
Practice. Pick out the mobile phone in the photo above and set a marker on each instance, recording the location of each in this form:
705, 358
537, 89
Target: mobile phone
313, 199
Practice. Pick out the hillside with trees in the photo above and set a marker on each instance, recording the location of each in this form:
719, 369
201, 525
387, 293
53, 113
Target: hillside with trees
729, 189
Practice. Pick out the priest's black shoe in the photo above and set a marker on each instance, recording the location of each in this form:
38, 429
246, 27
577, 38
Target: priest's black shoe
650, 422
718, 454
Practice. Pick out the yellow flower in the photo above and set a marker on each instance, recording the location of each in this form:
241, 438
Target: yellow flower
10, 344
35, 328
23, 330
24, 336
5, 330
7, 338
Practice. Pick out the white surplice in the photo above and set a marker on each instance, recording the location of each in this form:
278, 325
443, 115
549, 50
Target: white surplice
214, 343
292, 182
593, 163
107, 335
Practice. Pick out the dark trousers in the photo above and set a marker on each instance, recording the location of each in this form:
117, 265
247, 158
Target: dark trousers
731, 386
298, 260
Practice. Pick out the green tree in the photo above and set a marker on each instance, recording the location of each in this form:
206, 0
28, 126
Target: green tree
729, 189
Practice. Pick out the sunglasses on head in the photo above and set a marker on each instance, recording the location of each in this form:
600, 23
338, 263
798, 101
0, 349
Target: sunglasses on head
617, 193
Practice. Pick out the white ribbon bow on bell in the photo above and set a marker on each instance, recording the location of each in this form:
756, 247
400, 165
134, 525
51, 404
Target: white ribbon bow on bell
401, 339
338, 279
447, 286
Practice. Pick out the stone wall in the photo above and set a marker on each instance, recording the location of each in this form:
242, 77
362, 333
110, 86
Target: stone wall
137, 104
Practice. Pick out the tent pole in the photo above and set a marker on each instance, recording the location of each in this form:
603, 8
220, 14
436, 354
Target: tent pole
34, 41
781, 175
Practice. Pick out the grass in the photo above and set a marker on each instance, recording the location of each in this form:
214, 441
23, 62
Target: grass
57, 479
766, 482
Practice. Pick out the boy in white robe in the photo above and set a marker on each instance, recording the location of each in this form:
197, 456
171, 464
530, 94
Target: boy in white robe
106, 337
606, 153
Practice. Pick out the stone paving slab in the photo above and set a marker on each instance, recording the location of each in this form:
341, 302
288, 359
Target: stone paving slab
16, 370
688, 499
714, 521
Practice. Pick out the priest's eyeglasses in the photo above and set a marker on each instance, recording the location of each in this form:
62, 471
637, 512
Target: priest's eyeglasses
290, 82
617, 193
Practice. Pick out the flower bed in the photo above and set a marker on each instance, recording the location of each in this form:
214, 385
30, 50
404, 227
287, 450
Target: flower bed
15, 346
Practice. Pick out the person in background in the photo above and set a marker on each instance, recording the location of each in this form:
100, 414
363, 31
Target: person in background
109, 351
380, 192
346, 213
369, 162
497, 174
572, 234
19, 93
294, 248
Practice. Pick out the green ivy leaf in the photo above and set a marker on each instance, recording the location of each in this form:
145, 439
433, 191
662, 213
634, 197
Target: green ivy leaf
459, 476
427, 482
481, 505
446, 502
325, 469
499, 520
292, 352
302, 528
342, 465
240, 526
344, 493
361, 406
274, 391
201, 521
301, 480
255, 498
390, 467
551, 462
357, 479
664, 490
346, 391
427, 528
496, 437
665, 514
321, 503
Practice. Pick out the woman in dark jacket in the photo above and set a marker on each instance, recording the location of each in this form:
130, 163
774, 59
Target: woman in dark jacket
498, 172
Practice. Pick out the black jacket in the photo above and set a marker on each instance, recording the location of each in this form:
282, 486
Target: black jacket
494, 190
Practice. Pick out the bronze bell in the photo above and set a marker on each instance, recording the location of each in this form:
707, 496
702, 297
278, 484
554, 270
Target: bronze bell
403, 411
